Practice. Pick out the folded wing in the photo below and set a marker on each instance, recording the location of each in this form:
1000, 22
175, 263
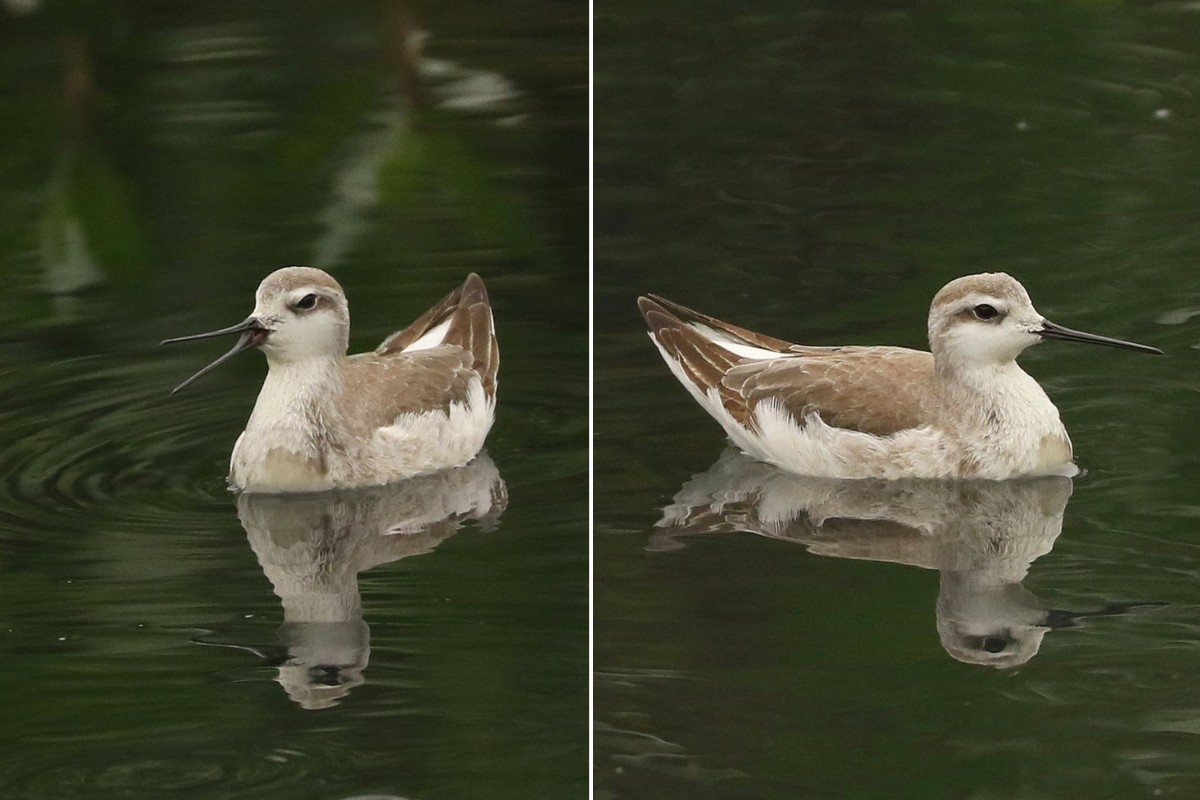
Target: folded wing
876, 390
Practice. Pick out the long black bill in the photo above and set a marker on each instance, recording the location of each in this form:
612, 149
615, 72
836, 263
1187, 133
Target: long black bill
1051, 331
252, 335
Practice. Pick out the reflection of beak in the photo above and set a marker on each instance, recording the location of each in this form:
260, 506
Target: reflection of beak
1049, 330
252, 335
1061, 618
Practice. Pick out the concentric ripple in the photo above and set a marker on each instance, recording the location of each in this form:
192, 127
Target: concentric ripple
228, 774
88, 433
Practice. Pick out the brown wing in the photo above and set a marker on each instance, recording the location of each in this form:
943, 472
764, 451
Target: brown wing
661, 307
703, 362
381, 388
470, 327
877, 390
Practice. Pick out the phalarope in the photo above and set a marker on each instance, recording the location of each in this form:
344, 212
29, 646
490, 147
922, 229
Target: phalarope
965, 410
424, 400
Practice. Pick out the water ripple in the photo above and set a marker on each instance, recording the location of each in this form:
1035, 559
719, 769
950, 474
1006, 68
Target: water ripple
86, 434
243, 774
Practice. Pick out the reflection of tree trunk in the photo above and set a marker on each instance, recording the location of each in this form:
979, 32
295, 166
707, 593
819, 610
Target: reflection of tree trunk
79, 88
405, 39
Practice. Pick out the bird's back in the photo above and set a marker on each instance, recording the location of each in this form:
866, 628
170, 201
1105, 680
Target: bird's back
462, 319
876, 390
424, 400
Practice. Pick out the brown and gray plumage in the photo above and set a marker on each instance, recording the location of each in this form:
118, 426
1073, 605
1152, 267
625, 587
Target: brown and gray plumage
963, 410
423, 400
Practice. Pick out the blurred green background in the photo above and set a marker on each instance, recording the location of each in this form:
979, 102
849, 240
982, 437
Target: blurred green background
817, 171
156, 161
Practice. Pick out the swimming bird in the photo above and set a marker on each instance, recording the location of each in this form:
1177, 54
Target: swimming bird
963, 410
422, 401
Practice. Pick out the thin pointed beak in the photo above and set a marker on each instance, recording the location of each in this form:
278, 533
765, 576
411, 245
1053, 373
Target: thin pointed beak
249, 323
252, 335
1049, 330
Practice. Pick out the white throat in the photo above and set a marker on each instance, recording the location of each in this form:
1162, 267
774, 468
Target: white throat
296, 398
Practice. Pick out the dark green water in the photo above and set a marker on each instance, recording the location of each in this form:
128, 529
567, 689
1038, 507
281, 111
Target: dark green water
158, 640
817, 171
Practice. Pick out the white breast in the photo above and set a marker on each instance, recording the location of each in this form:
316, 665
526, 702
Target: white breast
285, 446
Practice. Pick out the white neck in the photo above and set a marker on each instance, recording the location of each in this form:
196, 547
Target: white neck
1004, 421
990, 389
296, 396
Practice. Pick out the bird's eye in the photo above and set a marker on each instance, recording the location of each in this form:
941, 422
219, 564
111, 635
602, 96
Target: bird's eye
307, 302
994, 644
985, 311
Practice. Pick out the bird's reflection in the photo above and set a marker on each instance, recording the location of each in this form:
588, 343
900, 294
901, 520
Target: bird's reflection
312, 547
981, 536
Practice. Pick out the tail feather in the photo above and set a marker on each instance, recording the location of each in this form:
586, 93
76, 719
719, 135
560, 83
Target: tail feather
462, 318
699, 359
471, 329
735, 333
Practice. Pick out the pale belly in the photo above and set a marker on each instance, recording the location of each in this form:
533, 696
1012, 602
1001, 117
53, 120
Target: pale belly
276, 469
280, 459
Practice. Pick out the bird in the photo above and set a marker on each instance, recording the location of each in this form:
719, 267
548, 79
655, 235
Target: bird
963, 410
422, 401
